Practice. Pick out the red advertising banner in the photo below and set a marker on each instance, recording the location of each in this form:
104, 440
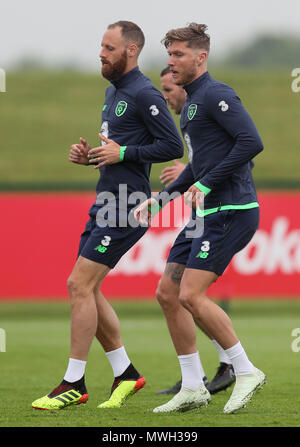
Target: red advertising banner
40, 235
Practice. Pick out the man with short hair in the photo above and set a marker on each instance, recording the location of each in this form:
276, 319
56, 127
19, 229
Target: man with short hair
222, 140
175, 96
137, 129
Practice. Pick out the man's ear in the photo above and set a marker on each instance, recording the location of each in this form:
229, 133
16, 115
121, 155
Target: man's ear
132, 50
202, 57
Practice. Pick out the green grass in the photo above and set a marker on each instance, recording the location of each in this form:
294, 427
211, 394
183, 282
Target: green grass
42, 114
37, 352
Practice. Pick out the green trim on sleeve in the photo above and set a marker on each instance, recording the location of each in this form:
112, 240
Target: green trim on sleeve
202, 188
246, 206
155, 208
122, 152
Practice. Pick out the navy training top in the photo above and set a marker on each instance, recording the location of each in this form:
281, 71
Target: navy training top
222, 140
135, 115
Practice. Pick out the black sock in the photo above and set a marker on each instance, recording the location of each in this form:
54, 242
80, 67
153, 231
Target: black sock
129, 374
79, 385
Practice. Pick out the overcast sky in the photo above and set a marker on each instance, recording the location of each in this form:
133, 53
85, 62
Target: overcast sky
62, 31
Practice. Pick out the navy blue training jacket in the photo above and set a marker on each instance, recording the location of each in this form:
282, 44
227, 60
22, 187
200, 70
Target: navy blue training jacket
222, 140
135, 115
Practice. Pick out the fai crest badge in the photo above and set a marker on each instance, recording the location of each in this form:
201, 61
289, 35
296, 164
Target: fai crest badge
121, 108
192, 111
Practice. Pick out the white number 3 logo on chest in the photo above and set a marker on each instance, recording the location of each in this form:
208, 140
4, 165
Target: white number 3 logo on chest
224, 106
154, 110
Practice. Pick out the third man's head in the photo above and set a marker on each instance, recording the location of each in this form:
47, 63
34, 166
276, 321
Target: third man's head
174, 94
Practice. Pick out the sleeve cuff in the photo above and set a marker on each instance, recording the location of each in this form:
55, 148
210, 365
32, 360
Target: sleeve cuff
155, 208
122, 152
202, 188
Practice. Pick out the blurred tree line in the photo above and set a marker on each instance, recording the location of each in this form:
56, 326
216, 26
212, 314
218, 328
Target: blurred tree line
267, 51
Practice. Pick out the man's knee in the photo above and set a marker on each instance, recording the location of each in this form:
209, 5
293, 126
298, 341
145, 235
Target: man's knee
191, 300
161, 294
168, 287
85, 277
193, 290
74, 286
167, 293
77, 287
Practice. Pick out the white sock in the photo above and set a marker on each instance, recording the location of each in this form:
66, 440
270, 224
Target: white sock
191, 370
240, 362
223, 357
75, 370
119, 360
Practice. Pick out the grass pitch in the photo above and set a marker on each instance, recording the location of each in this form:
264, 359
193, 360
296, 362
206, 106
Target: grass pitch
37, 351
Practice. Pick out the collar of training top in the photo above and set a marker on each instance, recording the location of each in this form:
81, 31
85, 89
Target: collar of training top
127, 77
193, 86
